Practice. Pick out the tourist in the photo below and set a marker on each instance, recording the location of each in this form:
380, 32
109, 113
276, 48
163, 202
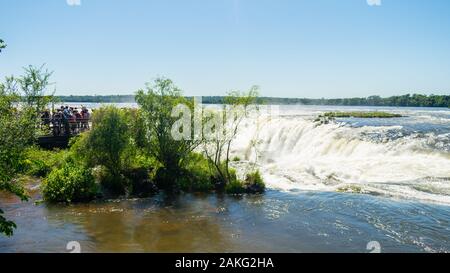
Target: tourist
66, 119
85, 118
45, 117
78, 118
56, 121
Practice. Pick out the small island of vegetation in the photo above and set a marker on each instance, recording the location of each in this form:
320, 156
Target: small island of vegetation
329, 116
360, 114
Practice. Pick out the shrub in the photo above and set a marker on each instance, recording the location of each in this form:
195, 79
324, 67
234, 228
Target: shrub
38, 162
108, 144
140, 183
141, 160
219, 177
136, 125
111, 184
235, 187
109, 138
197, 176
70, 183
198, 182
254, 182
122, 180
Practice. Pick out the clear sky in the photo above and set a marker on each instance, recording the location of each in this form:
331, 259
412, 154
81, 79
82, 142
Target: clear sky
290, 48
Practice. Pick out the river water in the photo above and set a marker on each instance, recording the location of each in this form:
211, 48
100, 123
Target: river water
331, 188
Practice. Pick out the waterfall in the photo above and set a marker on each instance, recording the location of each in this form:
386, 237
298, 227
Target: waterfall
295, 153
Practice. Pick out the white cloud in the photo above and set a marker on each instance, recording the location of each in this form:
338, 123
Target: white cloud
73, 2
374, 2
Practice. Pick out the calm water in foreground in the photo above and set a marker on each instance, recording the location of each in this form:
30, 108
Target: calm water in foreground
273, 222
398, 170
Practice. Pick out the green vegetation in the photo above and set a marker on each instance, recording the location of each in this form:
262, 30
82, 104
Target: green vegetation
360, 115
70, 183
197, 175
411, 100
235, 187
158, 103
330, 116
38, 162
217, 146
253, 183
350, 189
136, 126
107, 144
34, 88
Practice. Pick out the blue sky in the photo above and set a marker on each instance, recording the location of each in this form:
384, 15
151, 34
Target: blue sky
290, 48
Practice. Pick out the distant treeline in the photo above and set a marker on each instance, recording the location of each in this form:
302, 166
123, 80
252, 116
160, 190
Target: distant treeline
415, 100
97, 98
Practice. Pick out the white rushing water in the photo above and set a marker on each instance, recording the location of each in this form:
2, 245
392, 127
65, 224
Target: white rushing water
294, 153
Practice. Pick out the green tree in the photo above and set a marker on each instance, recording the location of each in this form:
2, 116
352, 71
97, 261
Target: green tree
158, 103
32, 89
33, 86
106, 144
217, 146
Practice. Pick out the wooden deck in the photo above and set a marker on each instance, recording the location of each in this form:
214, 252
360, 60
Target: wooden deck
52, 142
57, 138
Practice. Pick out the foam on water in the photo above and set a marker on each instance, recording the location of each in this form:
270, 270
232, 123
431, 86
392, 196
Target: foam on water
296, 153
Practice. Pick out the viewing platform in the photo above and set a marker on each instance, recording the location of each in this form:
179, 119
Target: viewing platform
52, 142
59, 132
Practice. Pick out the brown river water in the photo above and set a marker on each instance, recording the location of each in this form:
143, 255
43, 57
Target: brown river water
273, 222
